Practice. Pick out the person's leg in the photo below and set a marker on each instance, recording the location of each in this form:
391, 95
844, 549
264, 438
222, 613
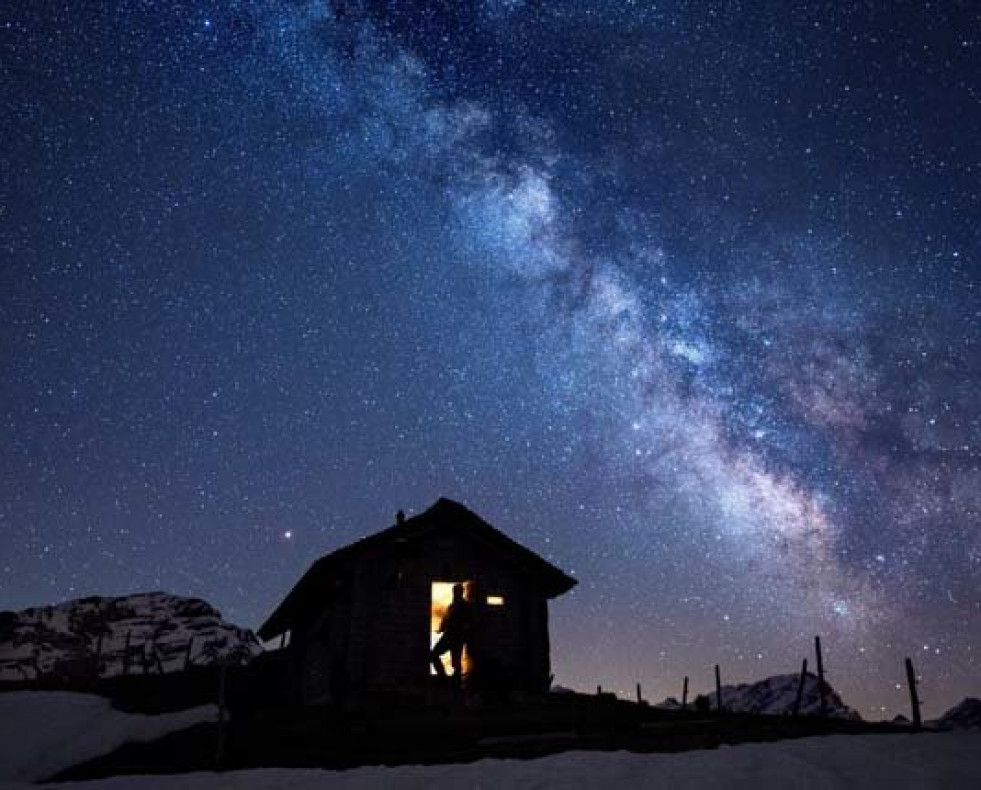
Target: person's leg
435, 655
456, 657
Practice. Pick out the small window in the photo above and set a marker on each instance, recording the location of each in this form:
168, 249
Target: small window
495, 600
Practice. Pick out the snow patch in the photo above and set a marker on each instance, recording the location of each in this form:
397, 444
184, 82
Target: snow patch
845, 761
44, 732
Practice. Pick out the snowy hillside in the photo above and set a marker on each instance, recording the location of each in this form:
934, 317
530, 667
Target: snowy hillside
44, 732
134, 633
775, 695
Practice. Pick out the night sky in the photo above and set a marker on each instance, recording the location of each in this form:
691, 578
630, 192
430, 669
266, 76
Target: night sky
682, 296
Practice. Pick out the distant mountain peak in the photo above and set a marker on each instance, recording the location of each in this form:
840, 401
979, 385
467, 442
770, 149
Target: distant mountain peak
775, 696
145, 632
965, 715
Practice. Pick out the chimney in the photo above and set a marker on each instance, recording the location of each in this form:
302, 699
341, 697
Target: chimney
400, 518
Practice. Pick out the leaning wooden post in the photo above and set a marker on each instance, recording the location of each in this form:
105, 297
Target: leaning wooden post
220, 749
820, 663
98, 654
640, 699
800, 688
684, 695
129, 635
159, 661
914, 698
187, 653
599, 690
718, 689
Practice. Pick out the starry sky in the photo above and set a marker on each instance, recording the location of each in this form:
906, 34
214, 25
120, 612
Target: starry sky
683, 296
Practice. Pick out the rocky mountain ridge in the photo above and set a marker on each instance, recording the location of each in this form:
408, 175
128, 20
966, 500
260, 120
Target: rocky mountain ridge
775, 696
965, 715
143, 633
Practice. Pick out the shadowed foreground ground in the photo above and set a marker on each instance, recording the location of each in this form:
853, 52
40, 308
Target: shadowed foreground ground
312, 737
841, 761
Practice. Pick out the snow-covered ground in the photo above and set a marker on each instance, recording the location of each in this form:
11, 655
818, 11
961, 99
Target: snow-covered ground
839, 761
43, 732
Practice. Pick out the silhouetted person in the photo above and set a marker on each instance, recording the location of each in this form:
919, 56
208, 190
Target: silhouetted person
455, 630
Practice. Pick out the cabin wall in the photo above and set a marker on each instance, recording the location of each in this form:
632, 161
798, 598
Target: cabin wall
510, 642
321, 648
314, 664
397, 644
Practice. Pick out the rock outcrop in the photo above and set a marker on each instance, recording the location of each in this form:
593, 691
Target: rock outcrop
774, 696
133, 634
965, 715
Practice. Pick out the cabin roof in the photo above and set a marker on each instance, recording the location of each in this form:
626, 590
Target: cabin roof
309, 591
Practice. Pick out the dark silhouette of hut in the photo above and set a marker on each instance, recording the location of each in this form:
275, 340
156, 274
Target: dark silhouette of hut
360, 624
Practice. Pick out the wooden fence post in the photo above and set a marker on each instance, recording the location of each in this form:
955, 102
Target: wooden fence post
718, 688
187, 654
684, 695
914, 697
800, 688
98, 655
640, 699
820, 663
129, 635
220, 748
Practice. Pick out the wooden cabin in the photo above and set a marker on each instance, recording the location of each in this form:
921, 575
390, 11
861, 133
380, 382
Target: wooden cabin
360, 623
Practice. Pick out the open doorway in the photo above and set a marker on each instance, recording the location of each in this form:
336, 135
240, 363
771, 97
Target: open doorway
440, 600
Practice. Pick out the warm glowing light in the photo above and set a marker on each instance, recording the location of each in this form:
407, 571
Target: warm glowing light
495, 600
442, 597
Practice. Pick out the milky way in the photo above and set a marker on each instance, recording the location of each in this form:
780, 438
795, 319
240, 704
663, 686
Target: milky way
682, 297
